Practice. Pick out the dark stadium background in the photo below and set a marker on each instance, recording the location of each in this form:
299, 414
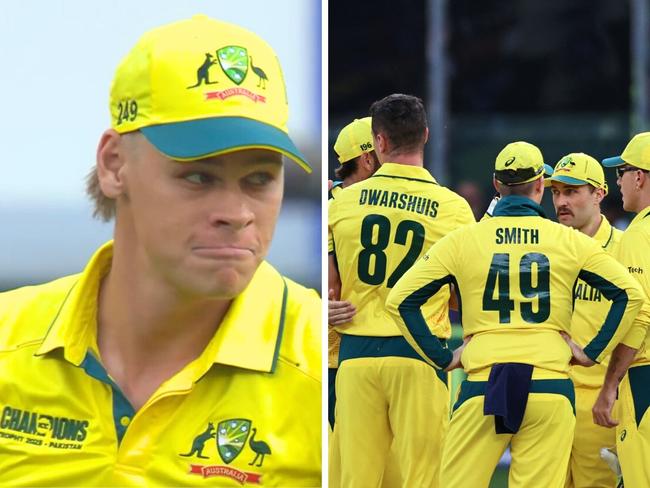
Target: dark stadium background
556, 74
565, 76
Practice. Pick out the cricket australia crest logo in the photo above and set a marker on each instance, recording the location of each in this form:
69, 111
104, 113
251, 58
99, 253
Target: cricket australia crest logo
564, 162
234, 62
231, 438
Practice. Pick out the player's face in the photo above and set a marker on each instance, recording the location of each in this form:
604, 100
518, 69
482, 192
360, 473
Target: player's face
575, 206
626, 182
203, 226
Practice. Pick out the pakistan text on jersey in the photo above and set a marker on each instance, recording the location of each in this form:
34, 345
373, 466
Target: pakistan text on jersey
516, 235
402, 201
42, 425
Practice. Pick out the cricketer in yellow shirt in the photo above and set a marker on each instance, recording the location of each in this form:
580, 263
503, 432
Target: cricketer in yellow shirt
578, 187
228, 418
514, 274
633, 429
358, 160
386, 395
179, 357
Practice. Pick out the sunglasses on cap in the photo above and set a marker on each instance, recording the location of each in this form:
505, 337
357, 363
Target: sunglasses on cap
621, 170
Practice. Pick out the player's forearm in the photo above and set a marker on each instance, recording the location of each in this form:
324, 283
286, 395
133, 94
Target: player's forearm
619, 363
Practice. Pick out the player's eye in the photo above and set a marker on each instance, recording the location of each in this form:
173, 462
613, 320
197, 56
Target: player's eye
259, 178
199, 178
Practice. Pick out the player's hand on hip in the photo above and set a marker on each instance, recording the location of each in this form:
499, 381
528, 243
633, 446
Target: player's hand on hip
455, 360
602, 409
579, 357
339, 311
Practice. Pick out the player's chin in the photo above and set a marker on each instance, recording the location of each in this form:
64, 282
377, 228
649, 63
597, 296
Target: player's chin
228, 282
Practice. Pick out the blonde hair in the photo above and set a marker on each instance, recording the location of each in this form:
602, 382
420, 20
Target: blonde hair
104, 207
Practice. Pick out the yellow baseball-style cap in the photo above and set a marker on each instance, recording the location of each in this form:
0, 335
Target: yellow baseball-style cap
520, 162
579, 169
201, 87
354, 140
636, 153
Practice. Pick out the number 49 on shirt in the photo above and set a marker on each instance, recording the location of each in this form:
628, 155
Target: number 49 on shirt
534, 282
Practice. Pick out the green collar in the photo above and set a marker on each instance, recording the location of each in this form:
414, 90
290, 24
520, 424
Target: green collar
516, 206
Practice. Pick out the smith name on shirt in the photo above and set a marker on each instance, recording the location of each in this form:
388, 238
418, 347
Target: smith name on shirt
516, 235
402, 201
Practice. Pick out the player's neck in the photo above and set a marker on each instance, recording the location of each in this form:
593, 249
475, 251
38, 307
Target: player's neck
643, 202
146, 332
407, 159
592, 226
352, 179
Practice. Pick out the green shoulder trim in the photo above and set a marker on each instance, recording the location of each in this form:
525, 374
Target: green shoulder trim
283, 314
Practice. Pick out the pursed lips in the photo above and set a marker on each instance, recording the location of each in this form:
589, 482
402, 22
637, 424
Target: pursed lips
224, 251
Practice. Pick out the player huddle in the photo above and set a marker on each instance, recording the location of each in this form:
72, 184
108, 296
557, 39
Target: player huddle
554, 314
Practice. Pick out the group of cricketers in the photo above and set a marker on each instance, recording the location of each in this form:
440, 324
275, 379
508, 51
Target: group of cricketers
555, 316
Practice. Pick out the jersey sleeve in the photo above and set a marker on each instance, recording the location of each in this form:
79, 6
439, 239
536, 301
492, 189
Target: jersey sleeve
465, 216
634, 257
330, 236
604, 273
423, 280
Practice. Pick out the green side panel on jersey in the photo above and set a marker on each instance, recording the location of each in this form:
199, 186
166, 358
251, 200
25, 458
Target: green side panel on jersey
619, 300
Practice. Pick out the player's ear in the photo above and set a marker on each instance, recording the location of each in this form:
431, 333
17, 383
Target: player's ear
495, 184
110, 161
381, 143
642, 179
426, 135
366, 162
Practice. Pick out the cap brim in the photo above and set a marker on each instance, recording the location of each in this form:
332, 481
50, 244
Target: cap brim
202, 138
612, 162
548, 171
567, 180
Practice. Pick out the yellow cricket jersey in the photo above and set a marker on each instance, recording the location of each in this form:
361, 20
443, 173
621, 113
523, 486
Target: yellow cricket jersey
333, 344
590, 309
515, 274
634, 254
380, 227
246, 412
333, 337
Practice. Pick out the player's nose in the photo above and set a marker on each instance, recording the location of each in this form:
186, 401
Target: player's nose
230, 207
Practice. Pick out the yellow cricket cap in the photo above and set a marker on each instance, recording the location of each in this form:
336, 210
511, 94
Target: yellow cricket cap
354, 139
202, 87
520, 162
636, 153
579, 169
